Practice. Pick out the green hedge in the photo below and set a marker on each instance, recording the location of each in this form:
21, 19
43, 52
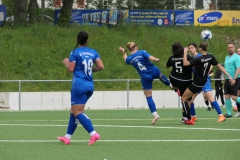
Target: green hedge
36, 52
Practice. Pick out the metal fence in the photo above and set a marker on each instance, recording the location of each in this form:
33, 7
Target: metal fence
148, 4
100, 80
20, 82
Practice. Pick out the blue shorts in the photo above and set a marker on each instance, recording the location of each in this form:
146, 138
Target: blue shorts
207, 87
81, 91
147, 79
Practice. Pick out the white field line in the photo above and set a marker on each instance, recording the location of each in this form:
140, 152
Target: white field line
147, 119
123, 126
114, 141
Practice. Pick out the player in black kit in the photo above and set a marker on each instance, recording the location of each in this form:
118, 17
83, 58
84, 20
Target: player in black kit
180, 76
202, 66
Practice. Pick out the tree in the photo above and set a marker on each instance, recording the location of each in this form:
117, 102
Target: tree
10, 5
222, 4
234, 4
199, 4
20, 12
34, 11
65, 13
153, 4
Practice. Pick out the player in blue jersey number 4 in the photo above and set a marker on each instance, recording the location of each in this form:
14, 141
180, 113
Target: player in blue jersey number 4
141, 61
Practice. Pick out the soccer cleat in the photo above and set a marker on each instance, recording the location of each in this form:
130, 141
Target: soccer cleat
155, 119
235, 109
183, 120
194, 119
93, 139
227, 116
237, 115
189, 122
208, 109
221, 118
64, 140
179, 94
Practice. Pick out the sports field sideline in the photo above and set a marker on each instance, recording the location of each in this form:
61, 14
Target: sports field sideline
125, 135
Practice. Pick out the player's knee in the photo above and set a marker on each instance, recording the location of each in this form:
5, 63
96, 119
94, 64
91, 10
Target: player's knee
233, 97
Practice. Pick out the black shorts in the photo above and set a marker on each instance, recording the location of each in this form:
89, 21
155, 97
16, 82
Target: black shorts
231, 90
195, 88
180, 84
218, 85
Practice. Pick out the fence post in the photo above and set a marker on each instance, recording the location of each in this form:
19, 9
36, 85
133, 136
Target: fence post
19, 94
127, 93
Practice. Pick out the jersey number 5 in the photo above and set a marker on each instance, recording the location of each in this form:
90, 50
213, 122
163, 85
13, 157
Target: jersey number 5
88, 64
178, 67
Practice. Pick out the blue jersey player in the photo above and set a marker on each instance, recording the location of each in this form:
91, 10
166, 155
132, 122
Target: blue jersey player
80, 63
141, 61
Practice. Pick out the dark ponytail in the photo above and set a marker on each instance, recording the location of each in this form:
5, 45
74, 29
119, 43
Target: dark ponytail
82, 38
204, 46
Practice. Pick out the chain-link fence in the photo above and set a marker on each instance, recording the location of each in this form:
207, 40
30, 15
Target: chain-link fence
151, 4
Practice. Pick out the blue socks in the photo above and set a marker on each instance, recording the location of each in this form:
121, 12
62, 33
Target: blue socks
164, 80
216, 106
151, 104
192, 109
228, 106
72, 125
86, 122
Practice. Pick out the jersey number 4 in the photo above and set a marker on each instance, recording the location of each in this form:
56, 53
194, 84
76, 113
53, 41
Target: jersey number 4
88, 64
141, 67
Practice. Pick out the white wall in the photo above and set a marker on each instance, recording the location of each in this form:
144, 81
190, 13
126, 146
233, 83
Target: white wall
99, 100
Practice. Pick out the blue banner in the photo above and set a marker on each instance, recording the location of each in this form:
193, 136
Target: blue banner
2, 14
113, 17
162, 17
92, 17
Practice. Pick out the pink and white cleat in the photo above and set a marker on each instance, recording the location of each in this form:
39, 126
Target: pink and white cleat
64, 140
93, 139
155, 119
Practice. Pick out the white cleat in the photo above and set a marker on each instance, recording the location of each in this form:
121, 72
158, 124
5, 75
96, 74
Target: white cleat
155, 119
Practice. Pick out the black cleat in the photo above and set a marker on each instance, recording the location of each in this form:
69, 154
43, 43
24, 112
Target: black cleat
208, 109
227, 116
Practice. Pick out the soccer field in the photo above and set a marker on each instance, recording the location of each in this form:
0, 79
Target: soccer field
125, 135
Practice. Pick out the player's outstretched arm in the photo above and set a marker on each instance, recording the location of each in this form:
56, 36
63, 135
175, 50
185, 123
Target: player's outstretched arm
185, 61
220, 67
121, 49
154, 59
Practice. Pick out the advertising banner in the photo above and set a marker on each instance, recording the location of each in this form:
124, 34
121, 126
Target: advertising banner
216, 18
92, 17
162, 17
149, 17
2, 14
